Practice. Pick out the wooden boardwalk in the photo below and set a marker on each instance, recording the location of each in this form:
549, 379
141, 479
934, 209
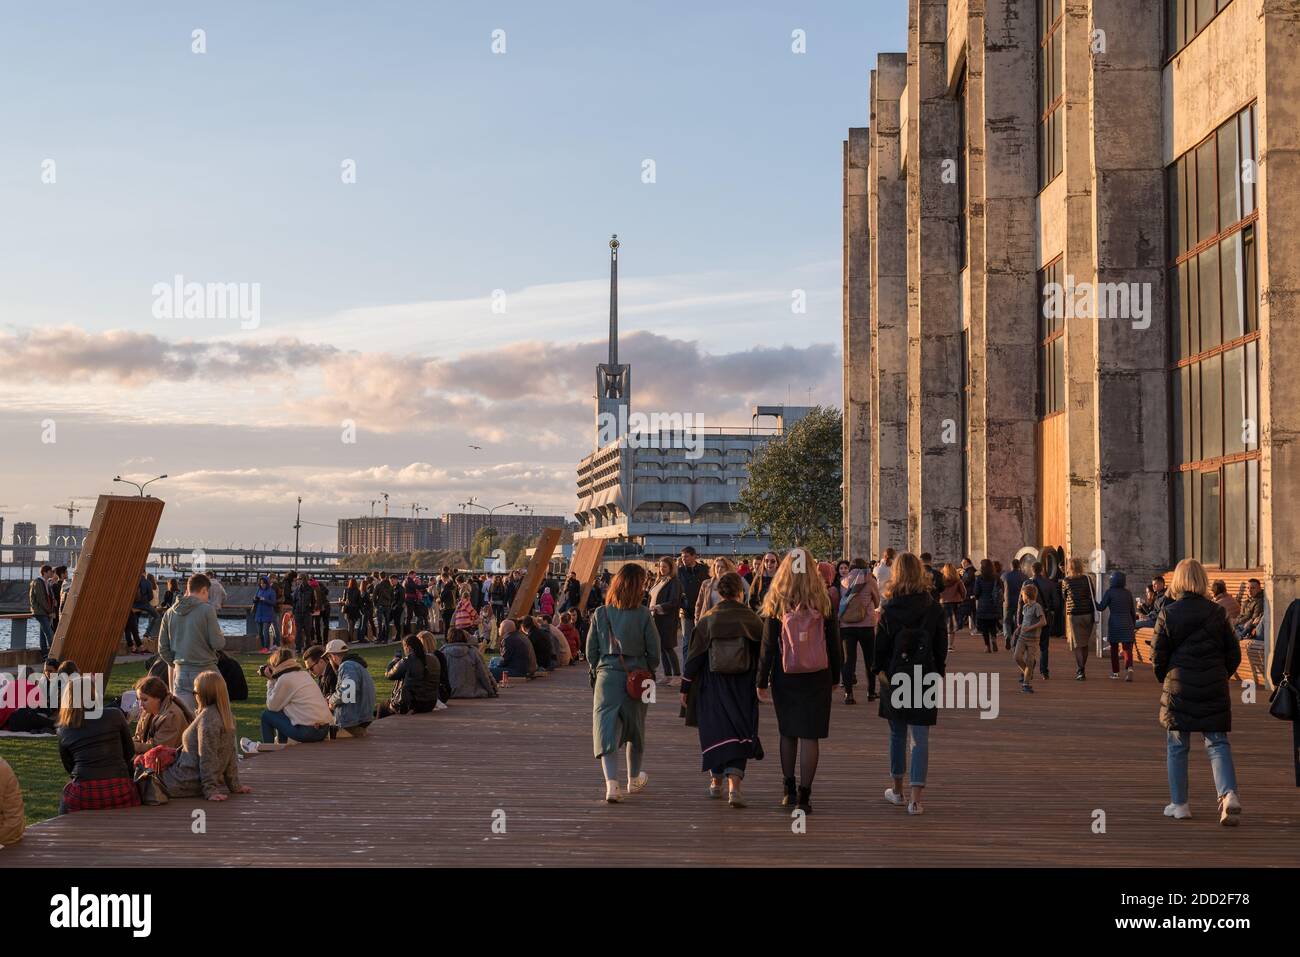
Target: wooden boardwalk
1017, 790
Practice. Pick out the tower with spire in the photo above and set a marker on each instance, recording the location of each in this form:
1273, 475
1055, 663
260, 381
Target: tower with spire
613, 379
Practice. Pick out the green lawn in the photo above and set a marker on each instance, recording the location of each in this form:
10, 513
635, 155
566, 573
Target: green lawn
40, 772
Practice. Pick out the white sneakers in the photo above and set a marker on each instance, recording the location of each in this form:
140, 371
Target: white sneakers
892, 797
914, 808
1229, 810
248, 745
613, 794
1178, 811
637, 783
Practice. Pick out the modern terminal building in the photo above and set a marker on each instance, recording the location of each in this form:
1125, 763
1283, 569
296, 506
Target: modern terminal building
657, 482
1067, 321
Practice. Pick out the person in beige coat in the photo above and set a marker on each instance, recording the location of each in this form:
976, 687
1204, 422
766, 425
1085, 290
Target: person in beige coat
163, 719
12, 818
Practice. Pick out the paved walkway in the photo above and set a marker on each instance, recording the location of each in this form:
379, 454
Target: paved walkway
423, 790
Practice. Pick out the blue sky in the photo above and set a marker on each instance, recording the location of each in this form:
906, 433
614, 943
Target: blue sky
475, 172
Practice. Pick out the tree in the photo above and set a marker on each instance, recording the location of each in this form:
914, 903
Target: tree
515, 546
794, 495
481, 547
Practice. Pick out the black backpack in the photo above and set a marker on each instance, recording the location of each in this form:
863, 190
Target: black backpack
912, 647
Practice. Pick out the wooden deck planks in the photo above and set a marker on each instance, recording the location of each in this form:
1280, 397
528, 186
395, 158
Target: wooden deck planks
1018, 790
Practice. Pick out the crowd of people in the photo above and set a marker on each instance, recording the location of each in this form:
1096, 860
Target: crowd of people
726, 635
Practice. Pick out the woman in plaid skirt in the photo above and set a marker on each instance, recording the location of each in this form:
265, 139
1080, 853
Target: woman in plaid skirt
97, 751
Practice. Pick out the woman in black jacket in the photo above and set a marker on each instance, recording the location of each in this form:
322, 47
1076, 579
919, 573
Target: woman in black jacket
96, 751
1194, 652
912, 634
418, 678
665, 606
1283, 669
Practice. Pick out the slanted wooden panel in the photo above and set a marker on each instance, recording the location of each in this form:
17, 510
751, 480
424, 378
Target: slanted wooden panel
103, 587
587, 554
537, 569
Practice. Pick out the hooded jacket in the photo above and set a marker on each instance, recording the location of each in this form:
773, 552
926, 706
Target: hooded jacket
467, 673
1194, 652
1122, 623
919, 611
190, 635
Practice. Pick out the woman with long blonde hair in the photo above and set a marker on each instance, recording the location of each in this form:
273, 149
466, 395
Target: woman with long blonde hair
1194, 653
709, 596
801, 661
206, 765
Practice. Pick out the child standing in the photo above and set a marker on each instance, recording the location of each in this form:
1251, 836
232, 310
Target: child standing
1032, 622
1121, 626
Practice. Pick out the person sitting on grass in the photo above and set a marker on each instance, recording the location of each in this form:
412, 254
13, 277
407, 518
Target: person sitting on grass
467, 673
321, 669
21, 706
13, 820
96, 749
417, 675
295, 708
163, 717
517, 659
353, 701
206, 765
233, 674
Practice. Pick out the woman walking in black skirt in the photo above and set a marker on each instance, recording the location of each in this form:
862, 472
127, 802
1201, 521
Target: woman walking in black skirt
801, 661
718, 688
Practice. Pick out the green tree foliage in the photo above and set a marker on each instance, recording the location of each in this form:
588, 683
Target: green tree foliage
485, 540
793, 495
515, 546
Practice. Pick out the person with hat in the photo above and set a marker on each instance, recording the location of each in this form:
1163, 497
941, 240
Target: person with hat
295, 708
353, 701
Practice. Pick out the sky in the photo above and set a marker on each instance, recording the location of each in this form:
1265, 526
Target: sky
414, 201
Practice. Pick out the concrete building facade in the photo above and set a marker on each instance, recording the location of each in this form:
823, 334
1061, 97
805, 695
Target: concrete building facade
1066, 204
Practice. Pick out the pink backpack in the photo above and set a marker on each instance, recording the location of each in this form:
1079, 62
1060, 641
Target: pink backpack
803, 641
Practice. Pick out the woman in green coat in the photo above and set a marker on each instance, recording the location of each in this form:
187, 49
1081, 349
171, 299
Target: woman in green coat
622, 639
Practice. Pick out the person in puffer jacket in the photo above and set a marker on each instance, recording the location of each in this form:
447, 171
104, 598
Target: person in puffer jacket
1122, 625
1194, 652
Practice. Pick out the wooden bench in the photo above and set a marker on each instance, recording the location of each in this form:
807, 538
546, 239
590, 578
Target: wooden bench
1252, 651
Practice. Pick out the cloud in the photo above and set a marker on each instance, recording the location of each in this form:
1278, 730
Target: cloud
134, 359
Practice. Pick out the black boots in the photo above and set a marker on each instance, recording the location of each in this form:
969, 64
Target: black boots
790, 798
805, 800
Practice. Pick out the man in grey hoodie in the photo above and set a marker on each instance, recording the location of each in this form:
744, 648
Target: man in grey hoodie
189, 638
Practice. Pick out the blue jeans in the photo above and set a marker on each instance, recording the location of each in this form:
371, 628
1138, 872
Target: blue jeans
735, 766
263, 633
495, 668
278, 721
1220, 752
46, 632
688, 628
898, 735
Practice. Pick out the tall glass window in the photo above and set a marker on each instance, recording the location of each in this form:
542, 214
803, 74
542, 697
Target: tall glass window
1051, 90
1214, 341
1184, 19
1051, 340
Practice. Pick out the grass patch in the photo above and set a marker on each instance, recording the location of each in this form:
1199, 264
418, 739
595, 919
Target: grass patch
36, 760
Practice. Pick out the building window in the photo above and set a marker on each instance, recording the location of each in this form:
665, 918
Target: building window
1051, 90
1184, 19
1214, 346
1051, 341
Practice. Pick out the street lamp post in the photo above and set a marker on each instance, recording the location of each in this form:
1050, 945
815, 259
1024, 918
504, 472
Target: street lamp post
297, 525
118, 478
473, 504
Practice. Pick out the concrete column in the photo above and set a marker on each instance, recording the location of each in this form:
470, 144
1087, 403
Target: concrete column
934, 314
1079, 262
888, 225
1004, 245
1132, 392
1278, 130
857, 348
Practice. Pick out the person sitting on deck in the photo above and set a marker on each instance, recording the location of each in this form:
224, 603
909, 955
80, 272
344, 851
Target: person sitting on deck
517, 659
13, 819
96, 749
571, 635
163, 717
295, 707
431, 650
236, 682
560, 650
1252, 611
206, 765
418, 676
353, 701
321, 669
467, 674
540, 639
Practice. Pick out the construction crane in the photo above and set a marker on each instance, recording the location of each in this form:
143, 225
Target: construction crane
385, 495
72, 510
373, 503
416, 508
